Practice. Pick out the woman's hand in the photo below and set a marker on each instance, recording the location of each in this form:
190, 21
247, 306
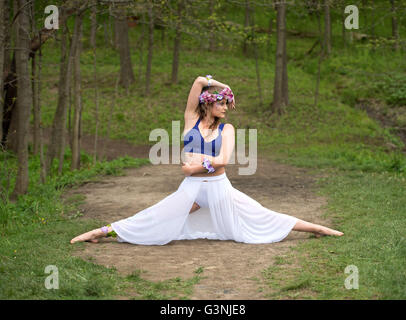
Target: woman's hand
233, 104
187, 169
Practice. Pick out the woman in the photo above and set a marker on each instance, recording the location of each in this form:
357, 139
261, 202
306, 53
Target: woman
219, 210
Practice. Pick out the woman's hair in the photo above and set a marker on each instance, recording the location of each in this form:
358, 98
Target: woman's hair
202, 108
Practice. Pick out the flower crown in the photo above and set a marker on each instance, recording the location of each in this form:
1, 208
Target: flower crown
207, 97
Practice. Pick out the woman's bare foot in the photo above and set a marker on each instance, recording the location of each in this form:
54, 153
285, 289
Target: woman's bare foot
90, 236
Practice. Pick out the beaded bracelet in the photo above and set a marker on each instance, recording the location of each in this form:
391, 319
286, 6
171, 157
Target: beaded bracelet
206, 164
209, 77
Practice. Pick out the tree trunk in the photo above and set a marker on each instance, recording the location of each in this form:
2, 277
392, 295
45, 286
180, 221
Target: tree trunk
344, 34
150, 49
246, 25
176, 48
11, 114
2, 45
285, 89
77, 97
112, 106
58, 126
327, 27
34, 82
212, 38
395, 29
280, 83
322, 48
270, 30
252, 24
8, 51
126, 68
93, 24
24, 95
41, 140
96, 98
141, 51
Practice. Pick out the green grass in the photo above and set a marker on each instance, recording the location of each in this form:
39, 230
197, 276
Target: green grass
370, 209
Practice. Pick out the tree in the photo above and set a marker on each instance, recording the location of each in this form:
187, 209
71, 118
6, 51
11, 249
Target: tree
24, 93
281, 75
96, 88
395, 28
150, 47
75, 164
56, 144
2, 45
126, 68
327, 27
246, 26
9, 112
176, 47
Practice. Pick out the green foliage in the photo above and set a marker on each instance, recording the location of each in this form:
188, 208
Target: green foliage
393, 88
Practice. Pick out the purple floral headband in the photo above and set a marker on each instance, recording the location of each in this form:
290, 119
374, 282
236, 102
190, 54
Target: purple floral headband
207, 97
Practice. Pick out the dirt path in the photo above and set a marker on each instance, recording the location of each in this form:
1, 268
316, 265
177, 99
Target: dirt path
229, 267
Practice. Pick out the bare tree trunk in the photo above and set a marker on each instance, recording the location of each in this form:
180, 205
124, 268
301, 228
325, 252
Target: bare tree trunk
212, 39
373, 21
150, 49
327, 27
7, 38
113, 104
34, 81
2, 45
126, 68
11, 115
93, 23
252, 23
322, 49
246, 25
75, 164
395, 29
270, 30
41, 140
24, 95
176, 48
96, 98
285, 88
344, 34
141, 51
280, 74
57, 141
106, 34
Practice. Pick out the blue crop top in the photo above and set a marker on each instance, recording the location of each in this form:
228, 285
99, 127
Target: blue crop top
194, 142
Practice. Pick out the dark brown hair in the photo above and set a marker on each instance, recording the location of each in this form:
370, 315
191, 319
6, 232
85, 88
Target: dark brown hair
202, 109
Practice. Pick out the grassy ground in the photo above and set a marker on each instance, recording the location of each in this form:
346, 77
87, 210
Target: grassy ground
369, 209
365, 167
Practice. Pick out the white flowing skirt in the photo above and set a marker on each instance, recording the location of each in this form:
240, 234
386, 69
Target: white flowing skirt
225, 214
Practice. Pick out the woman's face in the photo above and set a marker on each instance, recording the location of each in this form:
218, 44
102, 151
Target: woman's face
219, 108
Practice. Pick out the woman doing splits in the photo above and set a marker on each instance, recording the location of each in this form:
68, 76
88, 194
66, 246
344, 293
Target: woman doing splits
219, 210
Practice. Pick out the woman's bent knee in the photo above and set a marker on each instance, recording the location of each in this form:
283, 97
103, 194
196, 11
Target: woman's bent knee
194, 207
